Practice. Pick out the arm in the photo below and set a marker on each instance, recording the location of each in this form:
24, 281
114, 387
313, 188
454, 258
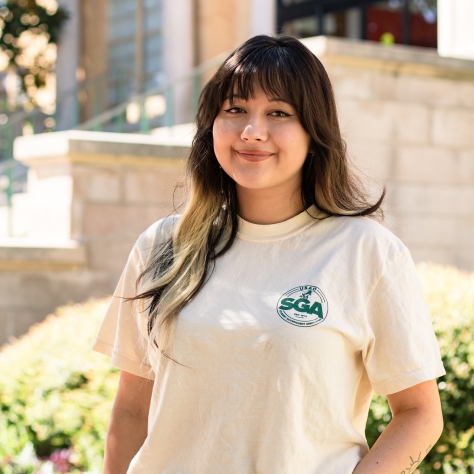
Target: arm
128, 422
416, 425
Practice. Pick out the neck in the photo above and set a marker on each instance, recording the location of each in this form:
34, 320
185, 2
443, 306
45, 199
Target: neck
265, 206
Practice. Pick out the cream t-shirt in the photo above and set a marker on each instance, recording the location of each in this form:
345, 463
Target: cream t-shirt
281, 349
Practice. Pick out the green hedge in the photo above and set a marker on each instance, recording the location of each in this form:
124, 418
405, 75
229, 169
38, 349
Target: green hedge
56, 394
450, 297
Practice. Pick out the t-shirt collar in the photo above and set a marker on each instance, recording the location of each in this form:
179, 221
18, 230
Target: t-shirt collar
280, 229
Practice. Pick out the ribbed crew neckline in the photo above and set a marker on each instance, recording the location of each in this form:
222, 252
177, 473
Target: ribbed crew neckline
250, 231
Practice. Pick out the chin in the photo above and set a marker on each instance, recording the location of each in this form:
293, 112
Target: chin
253, 184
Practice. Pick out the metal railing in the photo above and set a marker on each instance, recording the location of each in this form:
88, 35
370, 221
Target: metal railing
71, 107
89, 99
138, 114
12, 180
135, 113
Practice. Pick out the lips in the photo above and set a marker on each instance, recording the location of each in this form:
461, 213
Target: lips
253, 155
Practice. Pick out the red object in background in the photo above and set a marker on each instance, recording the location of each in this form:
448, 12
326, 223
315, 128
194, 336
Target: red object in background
380, 21
423, 33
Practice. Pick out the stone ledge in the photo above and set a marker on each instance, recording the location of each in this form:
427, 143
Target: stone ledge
395, 58
78, 145
34, 255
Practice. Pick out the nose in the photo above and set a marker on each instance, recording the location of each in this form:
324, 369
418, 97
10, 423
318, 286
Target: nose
254, 130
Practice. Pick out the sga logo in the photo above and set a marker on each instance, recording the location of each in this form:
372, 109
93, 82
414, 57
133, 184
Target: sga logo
303, 306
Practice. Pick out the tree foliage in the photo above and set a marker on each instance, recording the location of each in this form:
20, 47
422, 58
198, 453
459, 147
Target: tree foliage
21, 23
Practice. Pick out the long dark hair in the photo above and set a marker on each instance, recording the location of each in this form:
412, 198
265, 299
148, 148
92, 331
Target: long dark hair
284, 68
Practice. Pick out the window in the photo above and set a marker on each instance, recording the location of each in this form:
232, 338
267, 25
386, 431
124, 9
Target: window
392, 21
134, 33
386, 20
152, 43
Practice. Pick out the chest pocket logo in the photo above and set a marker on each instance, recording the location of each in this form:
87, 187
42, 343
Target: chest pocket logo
303, 306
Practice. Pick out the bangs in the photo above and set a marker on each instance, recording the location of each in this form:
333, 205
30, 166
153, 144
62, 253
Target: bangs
272, 69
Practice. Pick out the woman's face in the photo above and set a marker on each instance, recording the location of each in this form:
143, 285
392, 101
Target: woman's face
260, 143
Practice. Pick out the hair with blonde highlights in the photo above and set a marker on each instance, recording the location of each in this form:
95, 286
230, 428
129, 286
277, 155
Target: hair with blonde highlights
284, 68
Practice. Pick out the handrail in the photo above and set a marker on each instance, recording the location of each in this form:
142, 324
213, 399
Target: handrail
7, 167
162, 89
6, 130
7, 182
121, 80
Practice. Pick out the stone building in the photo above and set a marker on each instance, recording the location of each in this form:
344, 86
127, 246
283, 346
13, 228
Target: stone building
406, 112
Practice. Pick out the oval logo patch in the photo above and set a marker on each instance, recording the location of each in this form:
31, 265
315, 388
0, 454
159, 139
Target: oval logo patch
303, 306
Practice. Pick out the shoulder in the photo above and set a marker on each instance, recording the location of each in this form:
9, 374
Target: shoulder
156, 235
369, 231
365, 239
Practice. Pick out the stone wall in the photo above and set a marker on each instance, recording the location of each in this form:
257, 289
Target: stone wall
89, 197
36, 278
408, 118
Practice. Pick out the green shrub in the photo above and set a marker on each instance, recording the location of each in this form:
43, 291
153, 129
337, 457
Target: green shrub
56, 394
450, 297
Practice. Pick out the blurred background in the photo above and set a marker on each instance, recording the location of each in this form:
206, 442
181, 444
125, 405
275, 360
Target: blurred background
97, 104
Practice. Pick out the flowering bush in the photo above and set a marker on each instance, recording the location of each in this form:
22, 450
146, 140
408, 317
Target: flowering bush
61, 460
56, 394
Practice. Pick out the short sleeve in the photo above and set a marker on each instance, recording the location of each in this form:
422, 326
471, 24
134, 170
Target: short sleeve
120, 336
403, 350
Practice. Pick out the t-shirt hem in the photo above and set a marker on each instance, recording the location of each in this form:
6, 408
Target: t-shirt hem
121, 362
410, 379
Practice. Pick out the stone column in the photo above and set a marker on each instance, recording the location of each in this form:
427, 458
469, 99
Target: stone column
90, 195
455, 31
179, 53
100, 189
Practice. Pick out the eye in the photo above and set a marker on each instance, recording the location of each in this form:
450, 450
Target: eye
280, 113
234, 110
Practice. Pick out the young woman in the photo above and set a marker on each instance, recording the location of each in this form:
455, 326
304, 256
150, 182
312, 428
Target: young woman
251, 331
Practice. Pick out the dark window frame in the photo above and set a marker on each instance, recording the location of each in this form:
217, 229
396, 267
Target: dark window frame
319, 8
